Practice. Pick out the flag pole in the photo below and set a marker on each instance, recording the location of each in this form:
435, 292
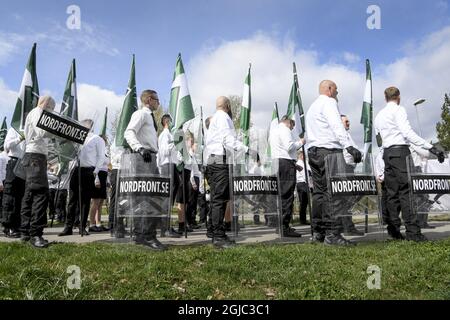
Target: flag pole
304, 153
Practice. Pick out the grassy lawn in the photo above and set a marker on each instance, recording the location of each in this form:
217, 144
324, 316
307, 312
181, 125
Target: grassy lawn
122, 271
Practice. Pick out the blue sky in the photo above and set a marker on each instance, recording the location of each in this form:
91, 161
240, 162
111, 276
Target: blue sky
157, 30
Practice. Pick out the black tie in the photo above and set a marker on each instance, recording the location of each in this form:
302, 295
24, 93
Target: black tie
154, 123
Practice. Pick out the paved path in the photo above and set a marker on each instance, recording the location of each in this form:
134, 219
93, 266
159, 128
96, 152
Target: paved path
249, 234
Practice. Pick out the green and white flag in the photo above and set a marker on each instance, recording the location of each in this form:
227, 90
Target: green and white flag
69, 105
28, 94
295, 108
130, 105
367, 118
180, 106
3, 132
273, 125
246, 108
105, 123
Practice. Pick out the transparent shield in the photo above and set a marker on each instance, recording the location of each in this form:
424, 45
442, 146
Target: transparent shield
254, 210
354, 205
430, 193
142, 197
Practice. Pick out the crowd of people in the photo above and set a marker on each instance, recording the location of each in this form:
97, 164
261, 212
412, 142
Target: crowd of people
33, 190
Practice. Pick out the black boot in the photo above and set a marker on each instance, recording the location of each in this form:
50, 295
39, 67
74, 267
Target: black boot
66, 232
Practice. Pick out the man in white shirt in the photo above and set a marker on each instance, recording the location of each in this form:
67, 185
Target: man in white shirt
141, 136
168, 159
326, 137
84, 179
284, 148
395, 134
348, 226
302, 187
14, 186
221, 138
35, 200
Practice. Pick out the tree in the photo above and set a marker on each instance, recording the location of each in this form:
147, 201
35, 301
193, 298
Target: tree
443, 127
236, 109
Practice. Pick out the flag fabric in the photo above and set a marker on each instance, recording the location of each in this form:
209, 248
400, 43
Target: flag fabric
295, 107
246, 107
3, 132
105, 123
69, 105
367, 118
28, 94
273, 125
130, 105
180, 106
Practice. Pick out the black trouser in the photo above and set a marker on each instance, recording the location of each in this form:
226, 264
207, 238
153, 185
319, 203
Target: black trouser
323, 206
345, 219
204, 207
13, 192
397, 190
61, 204
170, 170
287, 180
191, 208
218, 178
51, 203
35, 200
302, 191
84, 187
114, 222
384, 214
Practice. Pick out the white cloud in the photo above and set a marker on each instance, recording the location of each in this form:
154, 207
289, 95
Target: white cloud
92, 101
8, 100
7, 49
221, 71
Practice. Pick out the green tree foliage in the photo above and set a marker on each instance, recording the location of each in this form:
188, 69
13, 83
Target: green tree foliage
443, 127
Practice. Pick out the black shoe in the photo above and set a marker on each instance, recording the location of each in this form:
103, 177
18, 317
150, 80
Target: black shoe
103, 228
209, 234
337, 240
153, 244
95, 229
416, 237
223, 242
83, 232
395, 234
39, 242
291, 233
427, 226
13, 234
317, 237
353, 232
66, 232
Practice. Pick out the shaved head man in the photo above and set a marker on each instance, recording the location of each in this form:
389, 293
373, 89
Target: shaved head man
328, 88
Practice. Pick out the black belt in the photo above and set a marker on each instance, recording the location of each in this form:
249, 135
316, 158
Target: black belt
398, 146
335, 150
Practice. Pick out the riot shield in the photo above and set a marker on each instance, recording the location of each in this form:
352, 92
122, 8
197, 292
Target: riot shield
353, 209
142, 197
429, 192
255, 203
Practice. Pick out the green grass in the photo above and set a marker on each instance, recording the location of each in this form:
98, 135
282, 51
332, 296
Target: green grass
126, 271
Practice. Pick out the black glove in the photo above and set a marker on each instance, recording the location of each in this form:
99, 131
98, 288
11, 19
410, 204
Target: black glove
356, 154
298, 168
438, 153
253, 154
146, 154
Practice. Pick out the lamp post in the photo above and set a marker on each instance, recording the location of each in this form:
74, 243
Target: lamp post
419, 101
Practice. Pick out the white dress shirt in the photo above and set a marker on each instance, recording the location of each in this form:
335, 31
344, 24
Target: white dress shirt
379, 165
301, 174
14, 145
92, 152
283, 143
3, 162
167, 153
393, 126
141, 132
347, 156
36, 139
324, 127
116, 156
221, 135
106, 162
